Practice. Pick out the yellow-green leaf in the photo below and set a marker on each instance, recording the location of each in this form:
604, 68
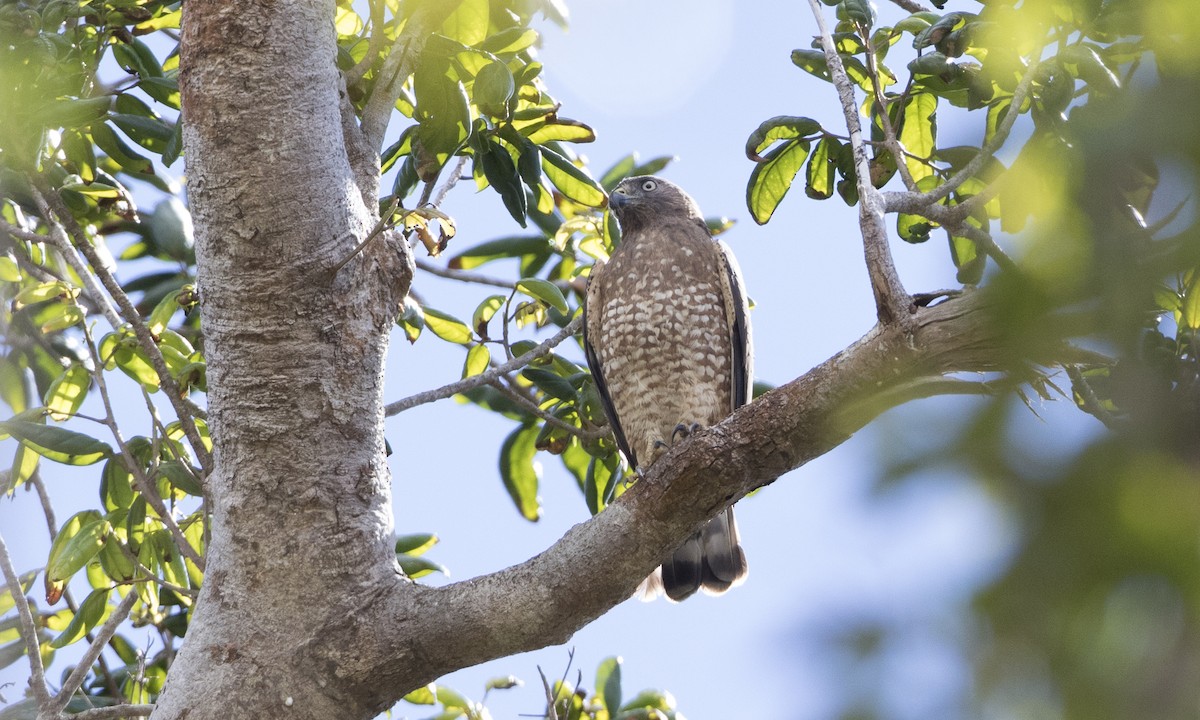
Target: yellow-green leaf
57, 443
72, 550
771, 180
520, 471
545, 291
415, 543
67, 392
91, 613
447, 327
573, 182
918, 133
477, 360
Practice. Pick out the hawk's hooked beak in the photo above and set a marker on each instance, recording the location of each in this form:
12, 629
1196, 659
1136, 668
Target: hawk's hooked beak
618, 200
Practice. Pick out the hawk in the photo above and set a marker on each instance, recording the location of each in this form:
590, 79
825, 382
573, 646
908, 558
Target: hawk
667, 338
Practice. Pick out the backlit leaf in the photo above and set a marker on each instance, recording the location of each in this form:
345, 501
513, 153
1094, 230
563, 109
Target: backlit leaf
521, 472
57, 443
771, 180
545, 291
447, 327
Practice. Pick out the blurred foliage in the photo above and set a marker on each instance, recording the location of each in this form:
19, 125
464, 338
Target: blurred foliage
1103, 598
1098, 613
564, 700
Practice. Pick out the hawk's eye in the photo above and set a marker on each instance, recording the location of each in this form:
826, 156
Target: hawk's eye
649, 185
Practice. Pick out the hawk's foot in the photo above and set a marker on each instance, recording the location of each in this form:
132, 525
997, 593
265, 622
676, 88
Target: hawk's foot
683, 430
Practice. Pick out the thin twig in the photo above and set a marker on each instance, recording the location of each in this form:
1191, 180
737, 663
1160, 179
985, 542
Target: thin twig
147, 489
463, 275
905, 201
1091, 403
444, 190
399, 64
892, 303
75, 680
113, 712
521, 399
912, 6
37, 674
385, 222
49, 200
374, 44
484, 378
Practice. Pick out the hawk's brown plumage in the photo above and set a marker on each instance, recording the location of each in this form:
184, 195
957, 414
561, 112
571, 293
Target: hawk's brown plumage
667, 338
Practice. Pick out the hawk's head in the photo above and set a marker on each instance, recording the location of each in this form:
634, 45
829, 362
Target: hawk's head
638, 201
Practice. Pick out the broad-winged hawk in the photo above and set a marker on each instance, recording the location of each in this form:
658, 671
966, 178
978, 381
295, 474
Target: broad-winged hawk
667, 337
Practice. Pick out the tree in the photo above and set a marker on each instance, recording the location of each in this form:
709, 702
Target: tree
271, 544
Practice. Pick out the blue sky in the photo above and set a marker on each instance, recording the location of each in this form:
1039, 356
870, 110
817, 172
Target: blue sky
693, 79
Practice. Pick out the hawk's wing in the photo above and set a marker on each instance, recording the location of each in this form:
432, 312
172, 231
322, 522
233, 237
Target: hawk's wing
737, 309
591, 324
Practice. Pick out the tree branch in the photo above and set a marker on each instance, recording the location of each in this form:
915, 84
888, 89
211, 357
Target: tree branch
374, 44
75, 680
484, 378
910, 202
912, 6
400, 63
28, 628
892, 303
463, 275
113, 712
597, 564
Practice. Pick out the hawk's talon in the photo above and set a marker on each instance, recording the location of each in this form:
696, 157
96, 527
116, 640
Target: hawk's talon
684, 430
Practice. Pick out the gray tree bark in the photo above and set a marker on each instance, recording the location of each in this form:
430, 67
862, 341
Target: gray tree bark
304, 613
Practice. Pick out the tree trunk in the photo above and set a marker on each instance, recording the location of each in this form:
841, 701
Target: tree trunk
304, 612
300, 493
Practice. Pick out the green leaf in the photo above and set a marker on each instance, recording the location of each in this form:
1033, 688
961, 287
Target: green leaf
493, 87
468, 24
918, 133
520, 472
509, 247
113, 146
90, 614
1189, 309
858, 11
419, 567
485, 312
573, 182
510, 41
822, 169
771, 180
447, 327
179, 476
66, 393
10, 272
781, 127
551, 383
7, 601
812, 62
501, 173
608, 683
503, 683
913, 228
967, 258
56, 443
477, 360
415, 543
423, 695
561, 129
545, 291
443, 111
411, 319
66, 558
